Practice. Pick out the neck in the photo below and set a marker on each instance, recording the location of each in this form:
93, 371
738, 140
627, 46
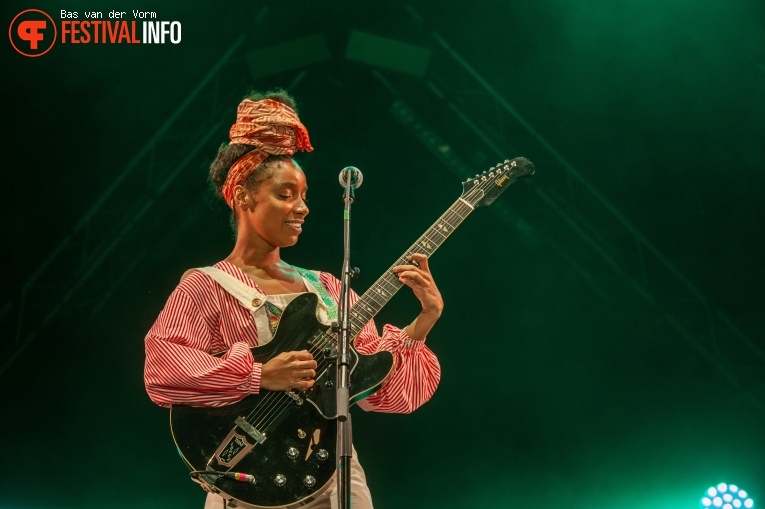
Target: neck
252, 251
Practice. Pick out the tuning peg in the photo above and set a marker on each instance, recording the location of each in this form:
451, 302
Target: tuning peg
506, 161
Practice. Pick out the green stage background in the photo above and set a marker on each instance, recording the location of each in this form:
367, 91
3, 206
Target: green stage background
602, 339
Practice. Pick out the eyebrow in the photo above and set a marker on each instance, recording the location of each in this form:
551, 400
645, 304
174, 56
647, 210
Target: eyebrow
289, 184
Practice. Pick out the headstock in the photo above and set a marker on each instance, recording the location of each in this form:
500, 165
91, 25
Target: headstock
483, 189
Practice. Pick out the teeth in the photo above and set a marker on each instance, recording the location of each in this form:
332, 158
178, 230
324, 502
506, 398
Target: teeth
296, 225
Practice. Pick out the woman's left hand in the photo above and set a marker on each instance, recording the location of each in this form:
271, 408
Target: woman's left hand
417, 276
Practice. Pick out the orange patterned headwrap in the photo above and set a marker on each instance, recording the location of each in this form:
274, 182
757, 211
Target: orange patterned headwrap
273, 128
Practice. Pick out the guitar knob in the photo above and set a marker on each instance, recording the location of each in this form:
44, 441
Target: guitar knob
292, 453
280, 480
309, 481
322, 454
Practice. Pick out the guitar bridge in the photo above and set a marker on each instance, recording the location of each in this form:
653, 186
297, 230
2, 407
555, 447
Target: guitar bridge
250, 430
236, 446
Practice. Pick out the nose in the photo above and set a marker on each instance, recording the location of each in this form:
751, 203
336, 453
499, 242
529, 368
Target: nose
302, 207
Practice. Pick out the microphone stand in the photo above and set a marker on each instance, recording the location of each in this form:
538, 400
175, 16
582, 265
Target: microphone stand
344, 434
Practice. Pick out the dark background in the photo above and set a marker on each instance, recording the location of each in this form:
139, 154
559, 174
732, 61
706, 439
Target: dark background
602, 340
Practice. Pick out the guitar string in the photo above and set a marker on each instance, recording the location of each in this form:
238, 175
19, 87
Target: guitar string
312, 342
281, 401
270, 403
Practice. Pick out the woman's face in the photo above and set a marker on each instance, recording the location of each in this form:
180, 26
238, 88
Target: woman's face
279, 211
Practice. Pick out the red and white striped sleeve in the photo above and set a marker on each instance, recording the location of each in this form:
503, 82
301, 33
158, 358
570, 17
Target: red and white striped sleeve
180, 368
416, 371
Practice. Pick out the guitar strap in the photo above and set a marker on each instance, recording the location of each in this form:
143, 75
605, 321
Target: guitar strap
262, 308
249, 297
312, 280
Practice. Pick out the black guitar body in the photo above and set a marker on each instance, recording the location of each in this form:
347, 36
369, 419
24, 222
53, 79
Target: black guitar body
285, 439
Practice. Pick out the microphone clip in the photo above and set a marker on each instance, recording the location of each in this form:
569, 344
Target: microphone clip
350, 175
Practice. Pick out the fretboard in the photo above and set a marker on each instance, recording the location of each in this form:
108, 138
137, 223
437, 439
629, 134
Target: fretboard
388, 284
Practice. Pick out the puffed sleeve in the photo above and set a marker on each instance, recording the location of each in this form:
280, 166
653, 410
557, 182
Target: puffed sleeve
416, 371
180, 368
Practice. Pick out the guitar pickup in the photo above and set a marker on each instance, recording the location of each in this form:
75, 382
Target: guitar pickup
329, 354
296, 397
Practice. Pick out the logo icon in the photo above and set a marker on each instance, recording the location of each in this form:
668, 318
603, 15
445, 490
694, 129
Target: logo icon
32, 33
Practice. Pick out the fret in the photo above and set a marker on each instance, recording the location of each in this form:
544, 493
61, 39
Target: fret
357, 323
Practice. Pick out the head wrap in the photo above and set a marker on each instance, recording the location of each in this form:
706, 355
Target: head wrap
273, 128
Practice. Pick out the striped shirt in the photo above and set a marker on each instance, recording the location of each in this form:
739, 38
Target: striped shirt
200, 318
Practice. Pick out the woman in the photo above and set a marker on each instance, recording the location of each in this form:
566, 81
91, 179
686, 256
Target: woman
266, 190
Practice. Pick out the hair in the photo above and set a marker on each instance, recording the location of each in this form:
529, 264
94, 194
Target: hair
229, 153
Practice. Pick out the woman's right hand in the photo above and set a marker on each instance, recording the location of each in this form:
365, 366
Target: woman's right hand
289, 370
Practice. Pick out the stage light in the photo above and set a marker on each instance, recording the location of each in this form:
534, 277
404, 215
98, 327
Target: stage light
724, 496
288, 56
387, 53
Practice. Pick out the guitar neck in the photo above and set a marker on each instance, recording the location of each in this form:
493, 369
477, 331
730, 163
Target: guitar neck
378, 295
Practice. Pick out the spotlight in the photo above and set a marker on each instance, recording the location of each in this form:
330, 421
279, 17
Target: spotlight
387, 53
724, 496
288, 56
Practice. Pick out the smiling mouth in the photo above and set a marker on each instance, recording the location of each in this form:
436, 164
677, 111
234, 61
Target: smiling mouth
297, 226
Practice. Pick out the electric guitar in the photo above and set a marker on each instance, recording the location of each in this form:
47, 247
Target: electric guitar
282, 443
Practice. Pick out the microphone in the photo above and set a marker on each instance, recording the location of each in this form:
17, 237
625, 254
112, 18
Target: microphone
355, 177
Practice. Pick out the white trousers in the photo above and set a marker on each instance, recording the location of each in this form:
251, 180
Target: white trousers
360, 496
